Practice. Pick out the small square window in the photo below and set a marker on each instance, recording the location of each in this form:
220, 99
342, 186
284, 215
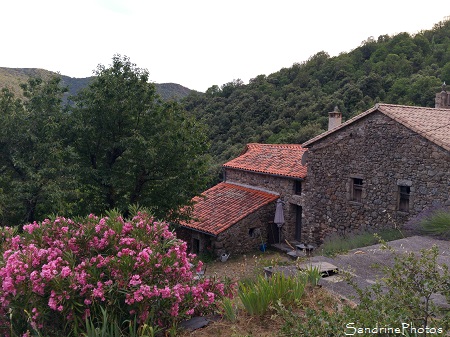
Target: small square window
357, 189
403, 200
298, 187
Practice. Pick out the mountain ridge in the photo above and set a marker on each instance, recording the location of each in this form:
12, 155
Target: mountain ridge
13, 77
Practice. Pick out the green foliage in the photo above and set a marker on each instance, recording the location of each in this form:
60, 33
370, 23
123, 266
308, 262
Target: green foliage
132, 147
257, 296
313, 275
406, 294
292, 105
337, 244
105, 328
118, 145
123, 275
323, 321
437, 224
228, 309
35, 179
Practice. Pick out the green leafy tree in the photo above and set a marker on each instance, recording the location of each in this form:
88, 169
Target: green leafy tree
132, 147
34, 180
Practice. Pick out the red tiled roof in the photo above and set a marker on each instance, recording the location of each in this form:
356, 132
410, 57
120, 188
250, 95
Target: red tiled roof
225, 204
431, 123
278, 159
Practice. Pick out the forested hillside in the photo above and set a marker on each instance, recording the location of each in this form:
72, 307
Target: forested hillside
292, 105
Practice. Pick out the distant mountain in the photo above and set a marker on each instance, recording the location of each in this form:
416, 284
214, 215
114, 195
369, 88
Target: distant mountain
13, 77
172, 91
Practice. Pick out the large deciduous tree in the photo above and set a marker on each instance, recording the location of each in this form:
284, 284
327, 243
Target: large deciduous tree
34, 179
134, 148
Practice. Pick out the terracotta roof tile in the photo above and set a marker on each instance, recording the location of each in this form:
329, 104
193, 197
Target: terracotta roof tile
431, 123
225, 204
278, 159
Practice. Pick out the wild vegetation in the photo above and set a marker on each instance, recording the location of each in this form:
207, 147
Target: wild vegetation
118, 144
292, 105
342, 243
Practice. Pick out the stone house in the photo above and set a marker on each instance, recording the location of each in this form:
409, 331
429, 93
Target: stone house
382, 167
237, 215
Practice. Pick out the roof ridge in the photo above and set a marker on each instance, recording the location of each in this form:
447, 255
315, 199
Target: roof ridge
251, 188
273, 159
410, 106
394, 111
277, 145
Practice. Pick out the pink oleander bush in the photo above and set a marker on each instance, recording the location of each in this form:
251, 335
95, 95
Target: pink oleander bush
57, 273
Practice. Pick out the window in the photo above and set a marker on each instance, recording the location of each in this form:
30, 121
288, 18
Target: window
251, 232
298, 187
357, 189
403, 200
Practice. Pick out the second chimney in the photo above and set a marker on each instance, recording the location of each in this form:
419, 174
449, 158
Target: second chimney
334, 118
442, 99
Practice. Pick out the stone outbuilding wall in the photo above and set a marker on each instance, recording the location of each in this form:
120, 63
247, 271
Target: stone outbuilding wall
243, 237
359, 176
286, 188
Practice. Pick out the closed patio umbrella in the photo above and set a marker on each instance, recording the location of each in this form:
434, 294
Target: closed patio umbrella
279, 217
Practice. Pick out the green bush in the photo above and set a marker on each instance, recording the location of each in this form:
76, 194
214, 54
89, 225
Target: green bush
404, 295
437, 224
55, 274
259, 295
338, 244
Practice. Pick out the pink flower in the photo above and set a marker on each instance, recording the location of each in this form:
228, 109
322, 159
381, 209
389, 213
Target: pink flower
138, 264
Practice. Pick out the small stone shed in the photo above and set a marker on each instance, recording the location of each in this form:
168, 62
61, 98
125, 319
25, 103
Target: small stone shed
237, 215
380, 168
228, 218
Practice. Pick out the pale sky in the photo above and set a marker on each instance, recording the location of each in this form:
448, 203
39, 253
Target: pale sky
197, 43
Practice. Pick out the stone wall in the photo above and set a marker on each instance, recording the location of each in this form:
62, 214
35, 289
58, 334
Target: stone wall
189, 235
385, 155
246, 235
243, 237
281, 185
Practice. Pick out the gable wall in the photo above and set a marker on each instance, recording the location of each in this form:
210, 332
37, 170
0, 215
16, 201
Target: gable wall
282, 185
243, 237
384, 154
246, 235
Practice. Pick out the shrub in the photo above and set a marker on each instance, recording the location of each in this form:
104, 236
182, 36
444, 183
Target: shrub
338, 244
257, 296
59, 272
405, 295
437, 224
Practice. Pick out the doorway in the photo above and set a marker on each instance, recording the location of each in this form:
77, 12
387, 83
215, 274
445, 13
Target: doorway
298, 223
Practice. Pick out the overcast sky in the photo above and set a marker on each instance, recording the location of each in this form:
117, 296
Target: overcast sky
197, 43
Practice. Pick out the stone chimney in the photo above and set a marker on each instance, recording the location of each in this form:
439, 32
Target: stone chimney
442, 99
334, 118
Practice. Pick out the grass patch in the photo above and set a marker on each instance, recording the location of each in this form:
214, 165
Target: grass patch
338, 244
259, 295
437, 224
